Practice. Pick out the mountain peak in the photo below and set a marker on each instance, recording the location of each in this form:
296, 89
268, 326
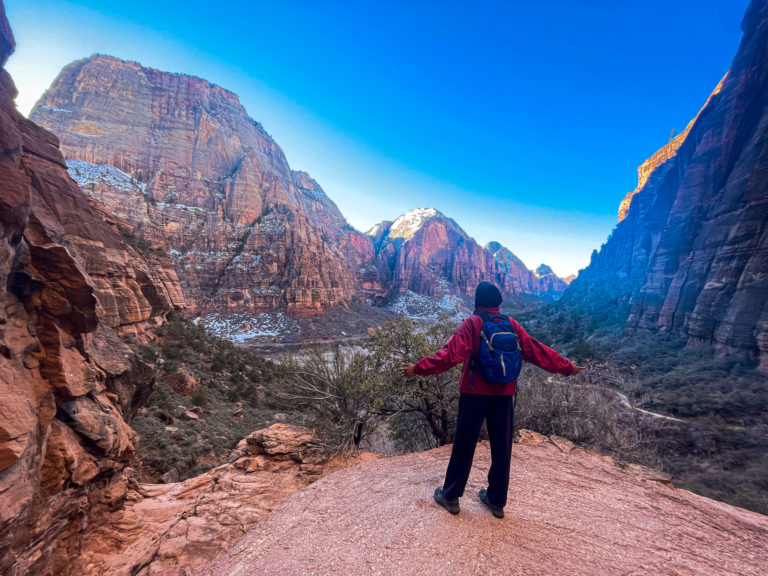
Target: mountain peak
503, 255
407, 225
544, 270
494, 247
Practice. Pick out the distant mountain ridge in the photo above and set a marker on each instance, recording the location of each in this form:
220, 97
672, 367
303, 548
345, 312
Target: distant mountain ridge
181, 160
425, 252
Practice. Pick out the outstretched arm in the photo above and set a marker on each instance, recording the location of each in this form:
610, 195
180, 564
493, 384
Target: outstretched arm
408, 369
542, 355
458, 349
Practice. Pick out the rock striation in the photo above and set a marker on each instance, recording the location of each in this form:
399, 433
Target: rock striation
180, 159
71, 287
425, 252
690, 254
570, 512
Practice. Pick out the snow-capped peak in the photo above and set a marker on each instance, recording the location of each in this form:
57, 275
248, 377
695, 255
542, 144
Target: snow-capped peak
544, 270
409, 223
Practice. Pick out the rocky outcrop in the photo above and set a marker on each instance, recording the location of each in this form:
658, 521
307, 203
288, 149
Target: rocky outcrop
570, 512
691, 254
176, 529
180, 159
425, 252
70, 287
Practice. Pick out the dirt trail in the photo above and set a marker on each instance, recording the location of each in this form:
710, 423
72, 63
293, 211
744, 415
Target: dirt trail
571, 512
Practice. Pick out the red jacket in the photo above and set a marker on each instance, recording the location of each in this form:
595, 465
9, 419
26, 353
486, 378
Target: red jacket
466, 341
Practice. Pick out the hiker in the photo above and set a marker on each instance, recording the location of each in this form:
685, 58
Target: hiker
483, 400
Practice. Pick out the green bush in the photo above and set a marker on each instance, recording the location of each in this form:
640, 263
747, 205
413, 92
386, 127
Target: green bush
196, 445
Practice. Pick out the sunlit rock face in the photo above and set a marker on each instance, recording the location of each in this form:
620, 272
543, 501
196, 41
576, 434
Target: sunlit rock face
70, 287
425, 252
181, 160
429, 254
690, 254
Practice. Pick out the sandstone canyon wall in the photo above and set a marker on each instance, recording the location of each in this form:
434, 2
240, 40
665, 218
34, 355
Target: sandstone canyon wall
69, 289
690, 254
182, 161
425, 252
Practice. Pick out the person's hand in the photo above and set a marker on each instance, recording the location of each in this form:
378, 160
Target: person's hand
576, 369
408, 369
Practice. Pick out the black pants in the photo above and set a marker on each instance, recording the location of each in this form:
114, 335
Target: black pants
499, 414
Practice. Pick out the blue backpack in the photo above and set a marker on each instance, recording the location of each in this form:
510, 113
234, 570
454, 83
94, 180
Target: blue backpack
498, 359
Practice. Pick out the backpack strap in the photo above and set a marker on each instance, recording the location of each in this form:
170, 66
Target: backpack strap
472, 360
486, 318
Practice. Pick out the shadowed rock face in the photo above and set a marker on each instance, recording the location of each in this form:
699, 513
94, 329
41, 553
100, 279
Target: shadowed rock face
69, 288
195, 173
690, 255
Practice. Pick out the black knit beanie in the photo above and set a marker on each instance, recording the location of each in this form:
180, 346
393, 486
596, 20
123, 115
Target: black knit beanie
487, 295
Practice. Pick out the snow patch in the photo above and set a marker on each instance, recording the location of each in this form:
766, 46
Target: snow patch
85, 173
411, 222
266, 327
272, 224
421, 307
52, 109
377, 228
187, 207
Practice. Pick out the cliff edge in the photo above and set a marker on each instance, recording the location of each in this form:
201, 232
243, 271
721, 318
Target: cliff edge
571, 511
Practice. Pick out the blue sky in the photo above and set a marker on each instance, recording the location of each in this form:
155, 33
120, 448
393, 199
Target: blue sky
523, 120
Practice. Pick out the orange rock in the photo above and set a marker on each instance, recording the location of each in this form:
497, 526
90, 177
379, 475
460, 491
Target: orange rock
243, 226
568, 513
179, 527
68, 285
182, 382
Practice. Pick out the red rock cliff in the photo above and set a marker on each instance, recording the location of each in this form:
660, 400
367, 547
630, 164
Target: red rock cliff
691, 254
427, 253
69, 287
181, 160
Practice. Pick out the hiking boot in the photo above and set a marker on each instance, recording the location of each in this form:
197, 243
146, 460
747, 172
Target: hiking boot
451, 505
497, 511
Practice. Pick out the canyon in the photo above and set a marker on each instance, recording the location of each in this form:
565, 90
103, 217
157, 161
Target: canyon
690, 253
183, 163
191, 207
